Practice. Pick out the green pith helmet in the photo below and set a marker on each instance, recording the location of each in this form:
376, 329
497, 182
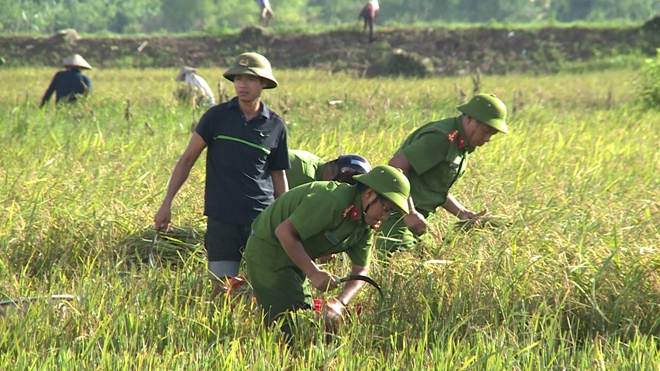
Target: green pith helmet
486, 108
252, 64
390, 183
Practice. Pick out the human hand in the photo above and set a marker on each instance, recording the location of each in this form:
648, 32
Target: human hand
467, 214
323, 280
333, 312
162, 218
416, 222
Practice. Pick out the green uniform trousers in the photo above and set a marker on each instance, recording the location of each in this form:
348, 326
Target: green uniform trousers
278, 284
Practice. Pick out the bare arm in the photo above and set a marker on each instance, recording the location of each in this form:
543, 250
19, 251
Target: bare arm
456, 208
334, 308
290, 240
351, 288
399, 160
280, 182
179, 176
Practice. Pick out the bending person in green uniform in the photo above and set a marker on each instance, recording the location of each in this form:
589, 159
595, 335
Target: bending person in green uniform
313, 220
433, 157
307, 167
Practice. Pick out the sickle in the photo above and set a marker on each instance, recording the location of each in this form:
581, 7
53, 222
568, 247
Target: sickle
151, 247
358, 277
17, 301
151, 250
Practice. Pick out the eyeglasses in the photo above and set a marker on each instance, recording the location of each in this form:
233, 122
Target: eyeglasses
385, 208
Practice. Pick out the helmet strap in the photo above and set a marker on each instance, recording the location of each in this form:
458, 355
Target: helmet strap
378, 197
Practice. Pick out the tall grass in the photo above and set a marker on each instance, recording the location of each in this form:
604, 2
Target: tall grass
570, 283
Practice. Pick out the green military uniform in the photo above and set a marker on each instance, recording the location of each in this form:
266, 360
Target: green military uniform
278, 283
305, 167
328, 218
438, 154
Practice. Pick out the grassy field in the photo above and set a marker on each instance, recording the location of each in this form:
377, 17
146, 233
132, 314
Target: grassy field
569, 282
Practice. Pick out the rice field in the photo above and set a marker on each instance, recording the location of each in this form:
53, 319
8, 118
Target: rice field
565, 277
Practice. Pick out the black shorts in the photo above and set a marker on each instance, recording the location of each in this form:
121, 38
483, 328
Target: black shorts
225, 241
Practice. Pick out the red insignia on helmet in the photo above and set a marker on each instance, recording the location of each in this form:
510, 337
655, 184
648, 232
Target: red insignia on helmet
243, 62
461, 142
452, 135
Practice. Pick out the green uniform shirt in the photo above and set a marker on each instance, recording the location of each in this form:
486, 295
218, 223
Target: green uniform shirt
436, 161
305, 168
328, 218
321, 213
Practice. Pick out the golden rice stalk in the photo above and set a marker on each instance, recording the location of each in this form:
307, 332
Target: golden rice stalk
170, 247
189, 95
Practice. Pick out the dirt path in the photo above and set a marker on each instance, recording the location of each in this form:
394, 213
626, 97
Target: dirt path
449, 51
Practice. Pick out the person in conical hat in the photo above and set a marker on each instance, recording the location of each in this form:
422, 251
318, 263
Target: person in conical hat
184, 71
76, 61
71, 83
434, 157
191, 78
314, 220
246, 158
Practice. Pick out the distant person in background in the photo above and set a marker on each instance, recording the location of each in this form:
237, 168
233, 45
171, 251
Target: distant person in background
369, 13
71, 83
265, 12
307, 167
190, 77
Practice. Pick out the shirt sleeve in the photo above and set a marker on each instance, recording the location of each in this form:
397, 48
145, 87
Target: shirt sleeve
205, 124
360, 252
202, 84
279, 156
50, 90
427, 151
88, 83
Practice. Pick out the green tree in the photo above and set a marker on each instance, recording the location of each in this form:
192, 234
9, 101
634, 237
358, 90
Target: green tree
187, 15
130, 16
626, 10
134, 15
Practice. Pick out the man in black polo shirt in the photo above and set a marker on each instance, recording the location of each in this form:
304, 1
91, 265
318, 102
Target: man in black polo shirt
245, 165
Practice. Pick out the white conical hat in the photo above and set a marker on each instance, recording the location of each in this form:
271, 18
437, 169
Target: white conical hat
76, 60
185, 70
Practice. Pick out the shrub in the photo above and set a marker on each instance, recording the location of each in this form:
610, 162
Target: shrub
402, 63
649, 84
